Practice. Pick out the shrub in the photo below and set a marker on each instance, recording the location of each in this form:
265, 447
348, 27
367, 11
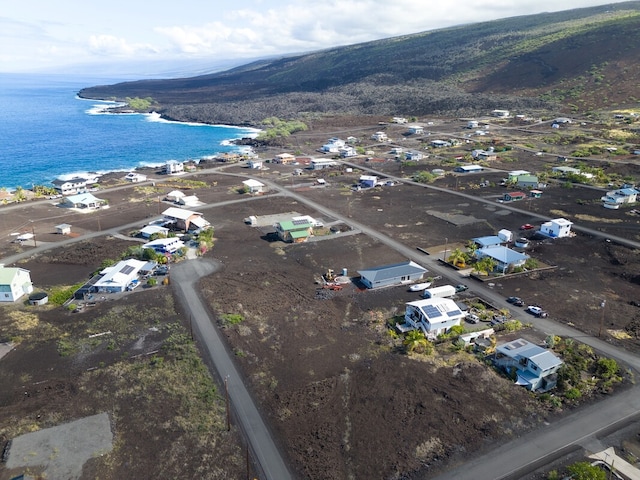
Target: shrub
572, 394
231, 318
607, 368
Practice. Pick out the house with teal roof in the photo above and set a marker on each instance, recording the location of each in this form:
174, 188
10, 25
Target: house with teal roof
294, 231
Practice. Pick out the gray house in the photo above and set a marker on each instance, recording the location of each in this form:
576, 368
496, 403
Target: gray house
534, 367
395, 274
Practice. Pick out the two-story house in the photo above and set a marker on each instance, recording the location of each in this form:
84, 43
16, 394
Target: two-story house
534, 367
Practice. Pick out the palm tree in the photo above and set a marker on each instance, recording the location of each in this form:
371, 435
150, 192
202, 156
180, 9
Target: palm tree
485, 265
458, 258
471, 247
415, 341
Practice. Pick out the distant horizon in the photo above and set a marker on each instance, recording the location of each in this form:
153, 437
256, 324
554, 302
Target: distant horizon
202, 38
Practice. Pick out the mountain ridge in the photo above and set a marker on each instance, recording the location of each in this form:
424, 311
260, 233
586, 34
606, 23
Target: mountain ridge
571, 60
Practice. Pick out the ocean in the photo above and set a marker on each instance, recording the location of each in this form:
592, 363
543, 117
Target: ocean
47, 132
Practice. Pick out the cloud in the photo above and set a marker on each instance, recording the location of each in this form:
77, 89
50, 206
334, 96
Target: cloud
109, 45
300, 25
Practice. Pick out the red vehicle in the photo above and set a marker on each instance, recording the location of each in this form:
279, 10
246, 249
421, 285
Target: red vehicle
527, 226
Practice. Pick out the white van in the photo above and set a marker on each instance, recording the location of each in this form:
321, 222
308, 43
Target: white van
440, 292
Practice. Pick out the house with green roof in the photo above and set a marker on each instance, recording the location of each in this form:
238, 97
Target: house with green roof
14, 283
295, 230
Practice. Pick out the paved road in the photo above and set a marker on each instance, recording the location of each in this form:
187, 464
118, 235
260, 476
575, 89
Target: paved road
184, 277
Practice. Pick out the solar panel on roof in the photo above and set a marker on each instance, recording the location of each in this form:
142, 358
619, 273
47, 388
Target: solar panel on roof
432, 312
299, 221
127, 269
453, 313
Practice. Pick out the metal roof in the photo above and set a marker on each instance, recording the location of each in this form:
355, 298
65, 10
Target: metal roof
388, 272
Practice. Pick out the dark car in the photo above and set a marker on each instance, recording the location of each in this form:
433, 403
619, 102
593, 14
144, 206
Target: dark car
517, 301
461, 287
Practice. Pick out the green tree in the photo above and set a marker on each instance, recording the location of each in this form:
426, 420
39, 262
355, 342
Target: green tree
607, 368
485, 265
458, 258
19, 194
586, 471
415, 341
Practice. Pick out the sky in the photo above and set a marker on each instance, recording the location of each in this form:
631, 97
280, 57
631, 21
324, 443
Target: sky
139, 36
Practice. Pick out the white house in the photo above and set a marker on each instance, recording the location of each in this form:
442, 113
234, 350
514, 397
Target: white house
535, 367
173, 167
557, 228
254, 186
255, 164
189, 200
321, 163
174, 196
623, 195
14, 283
83, 201
440, 143
149, 230
71, 186
134, 177
348, 151
117, 277
500, 113
413, 155
416, 130
380, 137
434, 316
399, 120
333, 145
472, 124
165, 245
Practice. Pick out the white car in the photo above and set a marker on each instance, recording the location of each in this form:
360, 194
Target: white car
537, 311
418, 287
471, 318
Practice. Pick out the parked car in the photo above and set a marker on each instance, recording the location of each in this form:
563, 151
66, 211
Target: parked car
517, 301
537, 311
461, 287
418, 287
162, 270
527, 226
471, 318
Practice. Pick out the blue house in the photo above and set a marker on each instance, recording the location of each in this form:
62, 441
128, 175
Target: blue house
488, 241
504, 257
535, 367
395, 274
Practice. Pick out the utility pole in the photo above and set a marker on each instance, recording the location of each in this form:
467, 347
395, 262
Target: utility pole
603, 304
33, 231
226, 390
446, 244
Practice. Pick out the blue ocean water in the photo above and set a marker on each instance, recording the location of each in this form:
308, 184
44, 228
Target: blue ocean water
47, 132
